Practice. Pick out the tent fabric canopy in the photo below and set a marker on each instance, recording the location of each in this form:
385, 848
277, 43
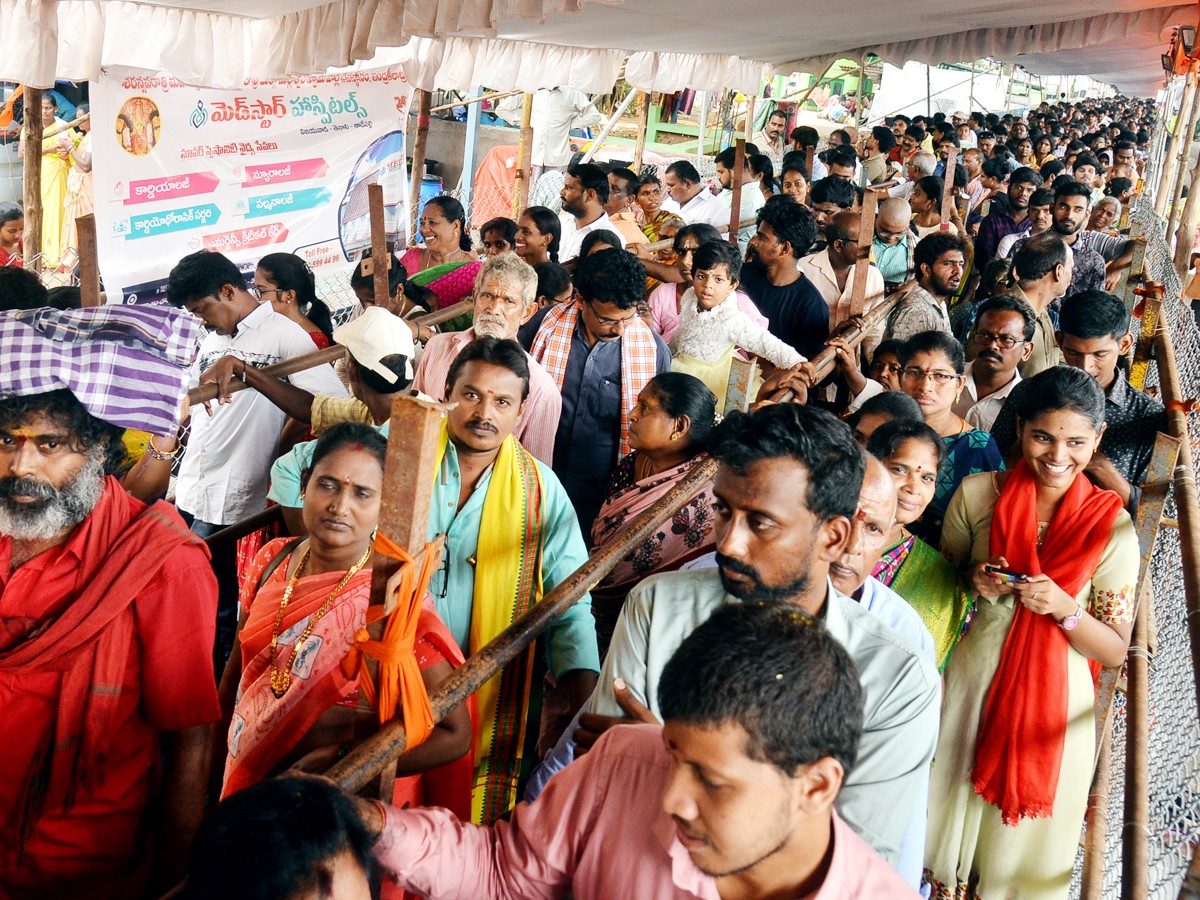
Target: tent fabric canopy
706, 44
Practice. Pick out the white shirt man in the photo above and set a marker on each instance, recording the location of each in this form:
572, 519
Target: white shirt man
225, 472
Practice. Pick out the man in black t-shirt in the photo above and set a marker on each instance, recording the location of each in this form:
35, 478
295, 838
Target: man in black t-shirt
794, 308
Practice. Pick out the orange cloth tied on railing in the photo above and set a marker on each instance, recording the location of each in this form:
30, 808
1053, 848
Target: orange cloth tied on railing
401, 686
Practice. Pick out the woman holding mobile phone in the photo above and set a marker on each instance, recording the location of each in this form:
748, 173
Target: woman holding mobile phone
1014, 760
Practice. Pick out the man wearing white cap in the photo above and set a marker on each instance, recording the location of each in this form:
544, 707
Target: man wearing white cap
380, 346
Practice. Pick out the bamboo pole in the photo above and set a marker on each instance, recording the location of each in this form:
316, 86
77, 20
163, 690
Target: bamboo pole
322, 357
598, 140
1096, 829
862, 265
1189, 220
1166, 180
735, 204
1135, 843
524, 151
643, 123
381, 261
949, 209
32, 182
379, 750
67, 126
469, 100
1190, 889
1185, 490
1184, 142
702, 125
89, 267
418, 159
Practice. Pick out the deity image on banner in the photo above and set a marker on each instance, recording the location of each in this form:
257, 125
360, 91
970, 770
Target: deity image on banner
138, 124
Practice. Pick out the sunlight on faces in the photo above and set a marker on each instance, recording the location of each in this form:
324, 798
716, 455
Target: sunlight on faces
651, 426
342, 497
930, 379
47, 484
994, 329
218, 313
765, 535
531, 243
731, 812
946, 273
914, 471
494, 243
868, 531
499, 309
1058, 445
885, 369
489, 404
1096, 356
440, 234
712, 286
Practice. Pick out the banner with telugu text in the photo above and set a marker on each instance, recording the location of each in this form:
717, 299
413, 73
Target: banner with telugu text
279, 166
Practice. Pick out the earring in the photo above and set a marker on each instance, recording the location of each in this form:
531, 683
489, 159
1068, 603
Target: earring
675, 436
302, 496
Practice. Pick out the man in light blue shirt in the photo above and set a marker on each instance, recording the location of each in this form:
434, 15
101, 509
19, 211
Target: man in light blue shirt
787, 508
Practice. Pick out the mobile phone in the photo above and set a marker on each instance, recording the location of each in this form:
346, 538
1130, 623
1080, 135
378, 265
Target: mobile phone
1006, 576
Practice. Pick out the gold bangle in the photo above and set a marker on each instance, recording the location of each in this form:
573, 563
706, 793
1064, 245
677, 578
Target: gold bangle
155, 453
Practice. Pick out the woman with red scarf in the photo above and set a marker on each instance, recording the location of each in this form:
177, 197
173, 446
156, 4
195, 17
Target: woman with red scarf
1053, 561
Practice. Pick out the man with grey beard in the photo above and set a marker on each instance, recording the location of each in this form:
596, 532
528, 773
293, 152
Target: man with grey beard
107, 612
505, 297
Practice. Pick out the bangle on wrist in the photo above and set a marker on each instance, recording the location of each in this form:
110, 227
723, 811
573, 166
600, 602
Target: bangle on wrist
243, 371
161, 455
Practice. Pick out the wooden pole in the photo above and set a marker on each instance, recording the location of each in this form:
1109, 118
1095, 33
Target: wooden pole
381, 261
322, 357
470, 100
1185, 490
1183, 144
1189, 220
862, 265
735, 207
643, 123
66, 126
948, 202
810, 154
1166, 179
524, 153
369, 758
32, 185
89, 267
1190, 889
1135, 843
1096, 830
418, 159
404, 507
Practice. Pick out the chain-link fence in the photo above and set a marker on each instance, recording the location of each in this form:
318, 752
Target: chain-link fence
1174, 750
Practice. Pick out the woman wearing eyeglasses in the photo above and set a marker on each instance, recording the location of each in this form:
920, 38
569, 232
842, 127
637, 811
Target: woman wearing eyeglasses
1014, 760
932, 373
286, 281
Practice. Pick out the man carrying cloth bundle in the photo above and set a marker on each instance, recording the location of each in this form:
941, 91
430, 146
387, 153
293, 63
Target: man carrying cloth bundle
107, 612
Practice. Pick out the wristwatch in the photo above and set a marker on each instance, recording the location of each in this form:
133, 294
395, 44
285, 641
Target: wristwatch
1071, 622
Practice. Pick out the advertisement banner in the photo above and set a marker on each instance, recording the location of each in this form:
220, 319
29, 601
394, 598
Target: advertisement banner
279, 166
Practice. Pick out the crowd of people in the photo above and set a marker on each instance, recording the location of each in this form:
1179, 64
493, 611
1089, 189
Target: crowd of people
858, 662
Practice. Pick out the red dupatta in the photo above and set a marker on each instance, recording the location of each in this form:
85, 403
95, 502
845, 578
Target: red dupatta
1018, 753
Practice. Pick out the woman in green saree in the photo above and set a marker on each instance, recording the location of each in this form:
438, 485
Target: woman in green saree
913, 453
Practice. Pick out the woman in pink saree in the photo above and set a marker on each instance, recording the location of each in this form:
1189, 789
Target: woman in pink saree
668, 432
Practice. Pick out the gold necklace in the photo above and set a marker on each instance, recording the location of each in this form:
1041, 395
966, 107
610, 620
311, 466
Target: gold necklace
281, 679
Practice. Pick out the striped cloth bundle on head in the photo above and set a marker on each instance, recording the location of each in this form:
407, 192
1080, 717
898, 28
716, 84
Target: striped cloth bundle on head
128, 365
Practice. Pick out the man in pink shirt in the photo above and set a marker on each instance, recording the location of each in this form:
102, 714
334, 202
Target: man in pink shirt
505, 290
732, 797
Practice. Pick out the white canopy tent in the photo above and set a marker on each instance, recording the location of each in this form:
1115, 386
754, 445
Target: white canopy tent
703, 44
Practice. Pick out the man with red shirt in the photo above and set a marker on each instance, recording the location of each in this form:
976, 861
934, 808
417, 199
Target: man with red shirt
107, 612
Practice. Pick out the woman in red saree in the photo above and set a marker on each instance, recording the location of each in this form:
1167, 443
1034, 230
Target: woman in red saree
290, 690
668, 431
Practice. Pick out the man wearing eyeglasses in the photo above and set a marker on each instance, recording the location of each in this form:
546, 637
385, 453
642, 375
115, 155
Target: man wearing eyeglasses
600, 354
895, 243
1001, 341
